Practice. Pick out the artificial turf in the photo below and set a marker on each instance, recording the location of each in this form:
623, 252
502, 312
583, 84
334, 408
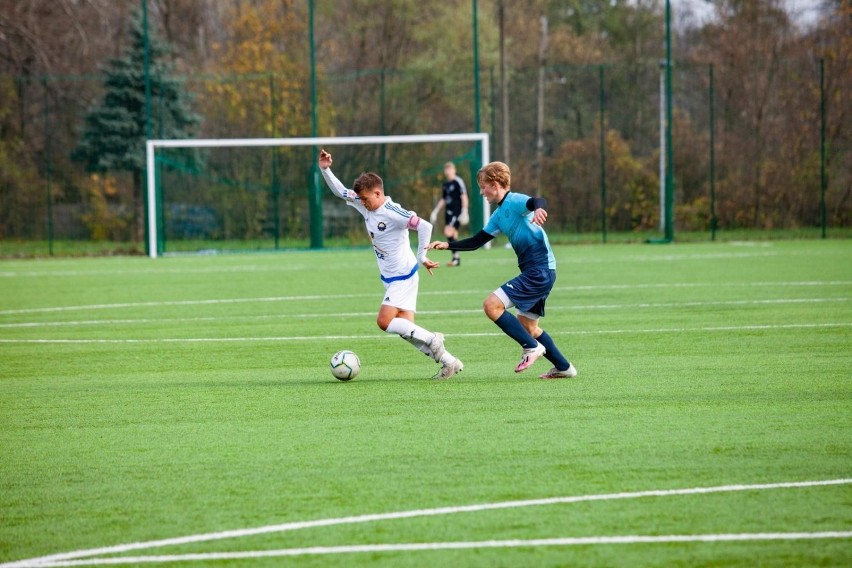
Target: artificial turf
142, 400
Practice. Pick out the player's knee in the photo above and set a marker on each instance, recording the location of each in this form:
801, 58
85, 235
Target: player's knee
493, 307
383, 322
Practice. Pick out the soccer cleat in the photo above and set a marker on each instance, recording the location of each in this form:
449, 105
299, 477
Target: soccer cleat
555, 373
452, 368
454, 262
529, 357
437, 346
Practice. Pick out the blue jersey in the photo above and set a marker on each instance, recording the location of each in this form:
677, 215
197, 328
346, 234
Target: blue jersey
513, 219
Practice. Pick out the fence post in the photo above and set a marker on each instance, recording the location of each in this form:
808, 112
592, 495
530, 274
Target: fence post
476, 119
713, 220
276, 221
669, 236
148, 126
602, 105
823, 181
315, 201
47, 167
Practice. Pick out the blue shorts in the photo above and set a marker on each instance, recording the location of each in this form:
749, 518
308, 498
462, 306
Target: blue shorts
529, 290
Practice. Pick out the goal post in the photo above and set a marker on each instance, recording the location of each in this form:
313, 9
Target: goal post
480, 209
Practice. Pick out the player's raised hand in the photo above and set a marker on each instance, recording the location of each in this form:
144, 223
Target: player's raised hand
430, 264
539, 216
324, 159
438, 245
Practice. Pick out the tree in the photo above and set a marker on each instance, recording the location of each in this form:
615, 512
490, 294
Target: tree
116, 129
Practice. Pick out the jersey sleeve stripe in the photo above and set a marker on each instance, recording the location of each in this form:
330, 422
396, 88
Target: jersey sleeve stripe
395, 209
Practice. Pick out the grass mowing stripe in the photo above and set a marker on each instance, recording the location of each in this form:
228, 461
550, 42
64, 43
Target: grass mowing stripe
328, 297
767, 327
438, 511
428, 546
428, 312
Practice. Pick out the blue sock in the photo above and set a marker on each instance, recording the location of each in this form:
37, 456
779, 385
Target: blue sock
513, 328
553, 354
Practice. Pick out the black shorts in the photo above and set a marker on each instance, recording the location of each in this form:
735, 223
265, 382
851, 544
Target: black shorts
451, 219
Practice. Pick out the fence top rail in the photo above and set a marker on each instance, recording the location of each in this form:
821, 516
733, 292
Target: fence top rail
317, 141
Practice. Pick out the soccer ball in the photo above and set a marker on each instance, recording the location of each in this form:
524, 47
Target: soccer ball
345, 365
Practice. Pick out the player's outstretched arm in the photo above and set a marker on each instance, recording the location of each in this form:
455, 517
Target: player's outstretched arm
472, 243
334, 184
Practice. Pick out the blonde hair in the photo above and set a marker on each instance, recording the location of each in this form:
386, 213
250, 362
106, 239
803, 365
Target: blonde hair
495, 172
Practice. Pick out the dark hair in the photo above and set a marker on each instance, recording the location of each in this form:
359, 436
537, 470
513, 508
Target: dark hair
367, 181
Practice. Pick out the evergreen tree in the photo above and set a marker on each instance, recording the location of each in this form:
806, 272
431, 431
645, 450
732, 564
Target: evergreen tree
115, 131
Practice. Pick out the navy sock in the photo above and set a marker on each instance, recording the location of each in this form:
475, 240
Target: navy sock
513, 328
553, 354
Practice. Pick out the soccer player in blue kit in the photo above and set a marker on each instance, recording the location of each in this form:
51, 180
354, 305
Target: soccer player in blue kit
388, 225
520, 218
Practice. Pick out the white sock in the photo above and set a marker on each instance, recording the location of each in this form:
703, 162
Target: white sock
410, 331
446, 358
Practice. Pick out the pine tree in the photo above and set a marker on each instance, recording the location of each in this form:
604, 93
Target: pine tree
115, 131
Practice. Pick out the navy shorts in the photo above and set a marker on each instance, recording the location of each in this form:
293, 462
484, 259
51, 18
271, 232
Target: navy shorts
529, 290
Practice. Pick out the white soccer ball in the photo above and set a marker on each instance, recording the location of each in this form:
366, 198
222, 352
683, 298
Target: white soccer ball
345, 365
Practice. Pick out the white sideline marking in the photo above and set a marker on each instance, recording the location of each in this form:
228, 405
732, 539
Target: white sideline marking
469, 545
288, 315
292, 526
324, 297
242, 269
388, 336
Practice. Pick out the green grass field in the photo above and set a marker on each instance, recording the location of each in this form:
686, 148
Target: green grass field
143, 400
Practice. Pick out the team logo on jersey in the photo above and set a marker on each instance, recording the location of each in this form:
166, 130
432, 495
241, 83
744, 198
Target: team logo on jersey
382, 226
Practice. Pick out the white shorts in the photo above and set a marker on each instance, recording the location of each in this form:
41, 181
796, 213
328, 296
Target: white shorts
402, 294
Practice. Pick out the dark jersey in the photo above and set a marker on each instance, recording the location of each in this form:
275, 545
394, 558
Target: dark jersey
452, 192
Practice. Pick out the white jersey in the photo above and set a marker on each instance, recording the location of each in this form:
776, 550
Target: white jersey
388, 228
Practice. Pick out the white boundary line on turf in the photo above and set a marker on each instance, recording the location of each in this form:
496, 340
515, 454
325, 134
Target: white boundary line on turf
325, 297
463, 545
288, 315
298, 525
769, 327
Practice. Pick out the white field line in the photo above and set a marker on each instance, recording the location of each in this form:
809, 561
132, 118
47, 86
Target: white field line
428, 546
769, 327
288, 315
469, 545
298, 525
123, 271
327, 297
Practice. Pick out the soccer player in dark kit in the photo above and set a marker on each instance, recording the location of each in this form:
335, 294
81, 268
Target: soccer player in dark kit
454, 201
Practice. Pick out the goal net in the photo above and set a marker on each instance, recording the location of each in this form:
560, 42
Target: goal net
211, 195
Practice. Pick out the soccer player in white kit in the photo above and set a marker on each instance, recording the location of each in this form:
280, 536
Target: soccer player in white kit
388, 225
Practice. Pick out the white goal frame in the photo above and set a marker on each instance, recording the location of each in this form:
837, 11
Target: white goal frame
152, 145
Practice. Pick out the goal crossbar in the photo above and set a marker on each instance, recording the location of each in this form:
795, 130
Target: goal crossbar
152, 145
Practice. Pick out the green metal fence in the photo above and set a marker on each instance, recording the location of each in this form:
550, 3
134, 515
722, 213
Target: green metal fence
779, 163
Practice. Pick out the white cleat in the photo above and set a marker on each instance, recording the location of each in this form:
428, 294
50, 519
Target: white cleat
452, 368
529, 357
555, 373
437, 346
